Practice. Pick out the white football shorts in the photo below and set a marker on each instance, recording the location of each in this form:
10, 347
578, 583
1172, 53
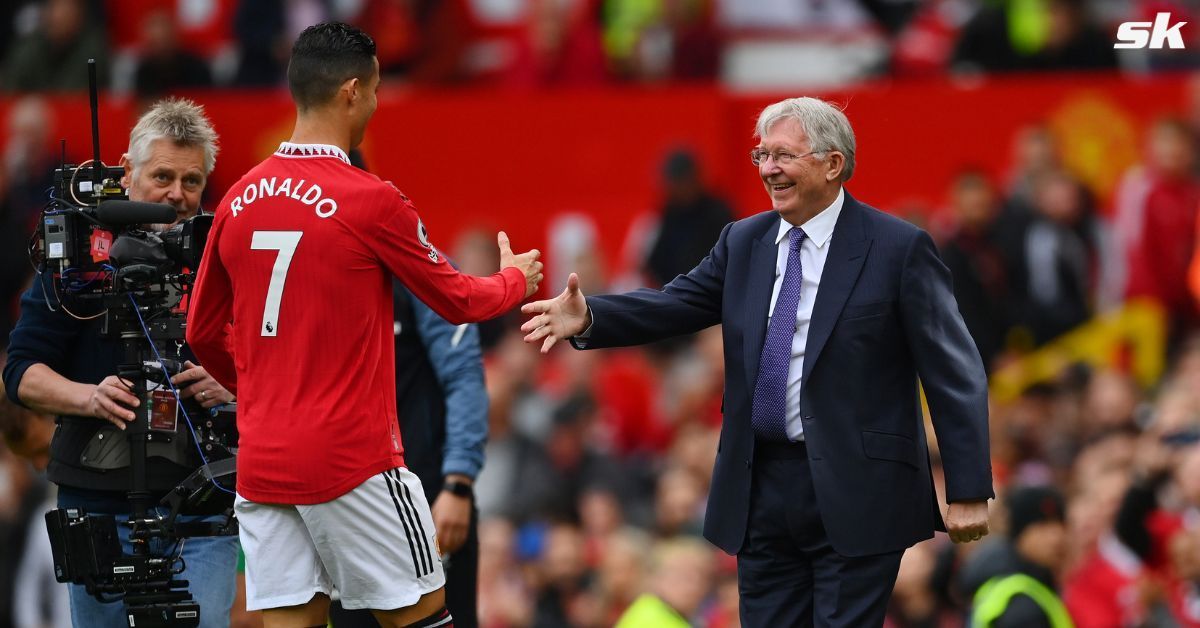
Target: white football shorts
376, 545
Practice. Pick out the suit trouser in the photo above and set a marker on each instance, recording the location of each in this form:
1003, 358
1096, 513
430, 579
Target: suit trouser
788, 574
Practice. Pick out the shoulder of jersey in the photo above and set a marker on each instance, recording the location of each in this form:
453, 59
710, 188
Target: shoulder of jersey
234, 189
395, 189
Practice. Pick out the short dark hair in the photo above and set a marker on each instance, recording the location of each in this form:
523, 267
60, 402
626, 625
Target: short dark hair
325, 56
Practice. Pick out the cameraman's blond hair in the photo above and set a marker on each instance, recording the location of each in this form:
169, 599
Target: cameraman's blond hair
176, 119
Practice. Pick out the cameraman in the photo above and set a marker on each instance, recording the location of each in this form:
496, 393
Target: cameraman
59, 364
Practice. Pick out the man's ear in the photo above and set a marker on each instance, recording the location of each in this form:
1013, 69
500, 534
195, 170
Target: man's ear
127, 164
351, 88
837, 163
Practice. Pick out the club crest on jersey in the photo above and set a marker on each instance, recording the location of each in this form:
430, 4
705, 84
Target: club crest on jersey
423, 237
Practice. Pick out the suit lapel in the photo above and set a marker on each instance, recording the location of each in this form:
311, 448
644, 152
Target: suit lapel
847, 252
763, 256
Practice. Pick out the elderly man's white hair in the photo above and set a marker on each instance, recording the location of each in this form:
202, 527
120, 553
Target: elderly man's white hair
178, 120
826, 126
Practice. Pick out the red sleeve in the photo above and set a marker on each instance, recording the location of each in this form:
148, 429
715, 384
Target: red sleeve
403, 246
210, 314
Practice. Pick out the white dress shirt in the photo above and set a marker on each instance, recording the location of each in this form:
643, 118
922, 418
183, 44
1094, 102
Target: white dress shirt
813, 251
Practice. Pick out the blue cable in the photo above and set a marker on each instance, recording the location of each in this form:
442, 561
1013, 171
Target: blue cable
178, 401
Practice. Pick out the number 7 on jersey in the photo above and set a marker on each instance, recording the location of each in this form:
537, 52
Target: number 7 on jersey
285, 242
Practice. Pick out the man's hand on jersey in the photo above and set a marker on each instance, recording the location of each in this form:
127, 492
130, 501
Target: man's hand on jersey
451, 520
111, 400
201, 385
559, 318
527, 262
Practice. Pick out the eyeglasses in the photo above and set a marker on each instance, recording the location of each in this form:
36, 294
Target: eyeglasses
759, 156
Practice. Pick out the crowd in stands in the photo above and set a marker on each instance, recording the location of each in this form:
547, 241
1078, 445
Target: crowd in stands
598, 463
154, 46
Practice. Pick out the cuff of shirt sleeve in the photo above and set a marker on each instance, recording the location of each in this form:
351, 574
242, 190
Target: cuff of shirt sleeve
461, 465
581, 341
13, 383
959, 499
514, 283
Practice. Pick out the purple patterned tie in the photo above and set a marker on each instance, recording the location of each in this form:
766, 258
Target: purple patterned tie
768, 415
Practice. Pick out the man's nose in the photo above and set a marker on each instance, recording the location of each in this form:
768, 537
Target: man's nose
175, 191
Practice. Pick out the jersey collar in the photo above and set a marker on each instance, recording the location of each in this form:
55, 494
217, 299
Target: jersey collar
288, 149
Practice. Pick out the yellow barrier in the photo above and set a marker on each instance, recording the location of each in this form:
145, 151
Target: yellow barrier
1138, 327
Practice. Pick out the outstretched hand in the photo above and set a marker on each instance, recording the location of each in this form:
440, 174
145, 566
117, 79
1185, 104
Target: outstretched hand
527, 262
559, 318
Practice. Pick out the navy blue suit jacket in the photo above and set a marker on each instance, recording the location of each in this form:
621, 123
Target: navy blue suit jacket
885, 315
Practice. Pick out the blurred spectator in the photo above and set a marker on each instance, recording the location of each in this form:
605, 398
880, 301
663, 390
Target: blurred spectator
1053, 269
29, 158
662, 39
164, 66
681, 578
574, 463
679, 504
509, 484
504, 596
915, 602
559, 46
395, 26
1013, 580
450, 36
26, 434
924, 45
263, 45
1108, 588
1035, 151
976, 261
696, 42
724, 612
1185, 560
634, 37
694, 383
563, 580
1158, 523
629, 387
54, 56
1109, 405
1109, 585
38, 602
26, 173
13, 15
22, 495
26, 567
621, 573
1042, 36
601, 518
1162, 231
692, 218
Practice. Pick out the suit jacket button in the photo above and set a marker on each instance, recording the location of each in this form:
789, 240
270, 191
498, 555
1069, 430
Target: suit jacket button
748, 465
806, 418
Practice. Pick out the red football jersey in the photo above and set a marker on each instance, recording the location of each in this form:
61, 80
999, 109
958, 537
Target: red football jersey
292, 312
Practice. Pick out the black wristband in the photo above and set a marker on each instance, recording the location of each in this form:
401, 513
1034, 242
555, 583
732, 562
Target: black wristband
458, 487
